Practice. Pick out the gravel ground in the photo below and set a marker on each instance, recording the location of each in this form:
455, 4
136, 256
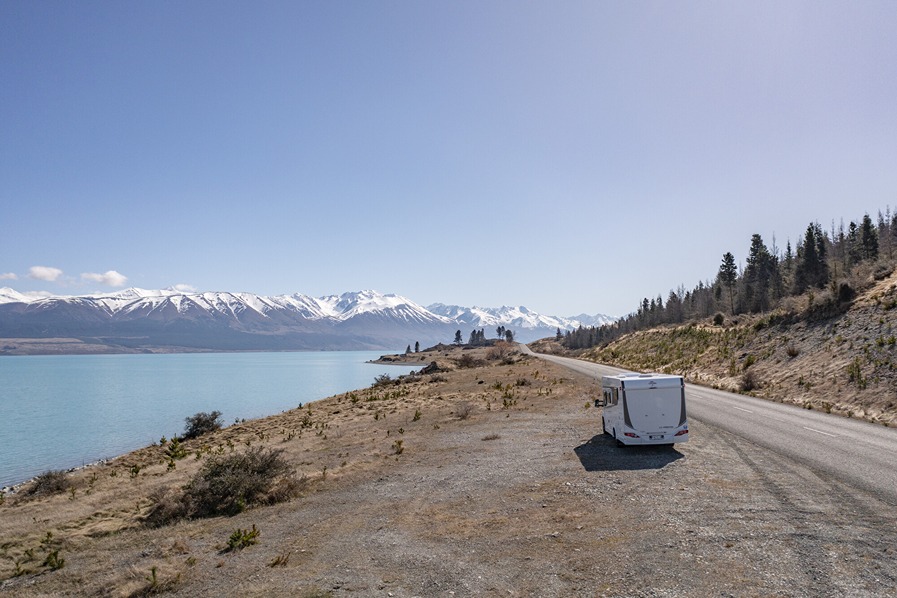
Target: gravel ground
524, 501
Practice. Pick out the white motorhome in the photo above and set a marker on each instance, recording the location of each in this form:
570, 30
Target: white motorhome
643, 408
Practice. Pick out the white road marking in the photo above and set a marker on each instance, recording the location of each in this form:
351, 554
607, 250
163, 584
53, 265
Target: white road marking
740, 409
819, 432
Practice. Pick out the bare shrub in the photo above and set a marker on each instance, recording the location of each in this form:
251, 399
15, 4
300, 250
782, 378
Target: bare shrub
749, 381
201, 423
464, 410
468, 361
882, 270
500, 350
383, 380
792, 351
50, 482
168, 506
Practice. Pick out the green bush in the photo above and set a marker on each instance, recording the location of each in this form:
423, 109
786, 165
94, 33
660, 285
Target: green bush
227, 485
240, 539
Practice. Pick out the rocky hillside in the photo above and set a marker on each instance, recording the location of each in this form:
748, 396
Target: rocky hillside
816, 351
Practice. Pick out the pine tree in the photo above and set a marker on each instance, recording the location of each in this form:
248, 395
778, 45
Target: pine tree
458, 339
868, 239
761, 276
728, 275
417, 346
811, 270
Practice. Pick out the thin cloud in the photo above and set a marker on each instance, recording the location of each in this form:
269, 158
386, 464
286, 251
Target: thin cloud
184, 288
9, 276
110, 278
44, 273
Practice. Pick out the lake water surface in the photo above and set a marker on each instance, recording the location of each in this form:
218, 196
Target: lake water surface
63, 411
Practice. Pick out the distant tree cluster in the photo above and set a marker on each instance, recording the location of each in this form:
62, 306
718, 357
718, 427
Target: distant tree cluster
822, 260
478, 337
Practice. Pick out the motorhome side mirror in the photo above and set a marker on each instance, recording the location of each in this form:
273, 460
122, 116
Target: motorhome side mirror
599, 403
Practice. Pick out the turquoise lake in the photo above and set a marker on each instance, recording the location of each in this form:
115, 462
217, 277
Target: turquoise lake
64, 411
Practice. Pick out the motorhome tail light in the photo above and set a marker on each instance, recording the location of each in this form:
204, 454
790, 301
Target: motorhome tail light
630, 435
682, 432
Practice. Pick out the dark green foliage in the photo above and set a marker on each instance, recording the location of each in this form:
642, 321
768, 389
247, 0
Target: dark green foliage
175, 450
868, 239
820, 262
761, 280
458, 340
54, 561
477, 337
227, 485
845, 293
201, 423
728, 276
241, 539
812, 269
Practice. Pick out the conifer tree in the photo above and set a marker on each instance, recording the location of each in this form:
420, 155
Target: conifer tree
868, 239
728, 275
761, 276
811, 270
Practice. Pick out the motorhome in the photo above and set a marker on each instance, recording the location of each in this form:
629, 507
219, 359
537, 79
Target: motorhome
643, 408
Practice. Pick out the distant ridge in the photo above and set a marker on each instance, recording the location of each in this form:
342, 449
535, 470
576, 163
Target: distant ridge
159, 320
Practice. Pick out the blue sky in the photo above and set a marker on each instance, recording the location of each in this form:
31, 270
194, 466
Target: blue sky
570, 157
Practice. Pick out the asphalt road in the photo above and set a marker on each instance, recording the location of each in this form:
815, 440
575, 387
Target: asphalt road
858, 453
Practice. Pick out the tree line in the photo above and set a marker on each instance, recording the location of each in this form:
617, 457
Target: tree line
822, 265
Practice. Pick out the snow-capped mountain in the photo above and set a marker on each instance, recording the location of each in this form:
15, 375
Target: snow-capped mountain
515, 318
139, 319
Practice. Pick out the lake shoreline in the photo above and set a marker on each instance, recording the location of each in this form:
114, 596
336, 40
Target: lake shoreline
130, 401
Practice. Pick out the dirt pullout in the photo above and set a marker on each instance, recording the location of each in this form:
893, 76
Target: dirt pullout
501, 486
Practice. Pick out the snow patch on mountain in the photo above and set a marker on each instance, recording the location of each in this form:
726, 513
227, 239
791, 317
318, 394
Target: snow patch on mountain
226, 320
514, 317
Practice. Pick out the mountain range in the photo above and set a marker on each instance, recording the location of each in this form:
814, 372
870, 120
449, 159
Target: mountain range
170, 320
